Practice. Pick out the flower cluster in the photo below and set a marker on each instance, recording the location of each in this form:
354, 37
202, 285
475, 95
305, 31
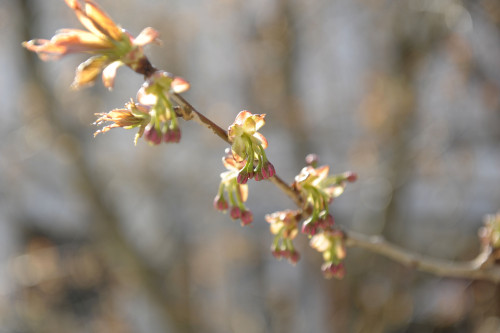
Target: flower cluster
331, 244
318, 190
156, 117
154, 114
284, 225
133, 115
237, 193
248, 145
157, 93
110, 45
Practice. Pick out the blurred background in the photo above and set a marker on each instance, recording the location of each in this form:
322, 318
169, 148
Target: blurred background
97, 235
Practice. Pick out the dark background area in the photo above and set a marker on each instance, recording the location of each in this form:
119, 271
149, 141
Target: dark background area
97, 235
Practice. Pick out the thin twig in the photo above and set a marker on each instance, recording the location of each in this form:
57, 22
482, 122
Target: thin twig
476, 269
192, 113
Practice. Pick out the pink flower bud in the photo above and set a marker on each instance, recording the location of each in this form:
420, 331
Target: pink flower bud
294, 257
246, 217
269, 168
235, 212
333, 270
312, 159
220, 203
242, 177
172, 135
152, 135
309, 227
350, 176
276, 253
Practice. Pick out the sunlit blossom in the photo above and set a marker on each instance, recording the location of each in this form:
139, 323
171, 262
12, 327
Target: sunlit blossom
111, 46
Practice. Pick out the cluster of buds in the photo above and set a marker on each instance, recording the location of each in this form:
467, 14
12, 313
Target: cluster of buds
133, 115
247, 145
110, 45
331, 244
237, 193
154, 114
318, 190
490, 234
157, 92
284, 227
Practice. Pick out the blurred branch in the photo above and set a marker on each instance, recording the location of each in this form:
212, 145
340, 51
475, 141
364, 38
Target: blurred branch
477, 269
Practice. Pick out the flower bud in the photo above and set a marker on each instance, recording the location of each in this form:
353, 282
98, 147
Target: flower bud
246, 217
220, 203
294, 257
242, 177
312, 160
350, 176
235, 212
152, 135
172, 135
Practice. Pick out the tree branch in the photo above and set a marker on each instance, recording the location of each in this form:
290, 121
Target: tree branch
477, 269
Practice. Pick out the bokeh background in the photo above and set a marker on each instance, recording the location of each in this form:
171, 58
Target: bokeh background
97, 235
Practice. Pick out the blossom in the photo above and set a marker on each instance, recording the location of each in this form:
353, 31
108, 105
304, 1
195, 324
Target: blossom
284, 225
318, 190
133, 115
331, 244
237, 193
156, 92
248, 145
110, 45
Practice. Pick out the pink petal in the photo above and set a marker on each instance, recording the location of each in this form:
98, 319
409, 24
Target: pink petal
87, 71
144, 98
102, 21
261, 138
147, 36
259, 120
322, 172
240, 118
109, 74
179, 85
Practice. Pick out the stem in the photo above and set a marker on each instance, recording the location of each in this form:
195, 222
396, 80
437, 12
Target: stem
201, 119
476, 269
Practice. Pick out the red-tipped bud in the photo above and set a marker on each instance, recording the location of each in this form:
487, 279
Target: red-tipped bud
294, 257
309, 227
220, 203
350, 176
269, 170
235, 212
276, 253
312, 160
152, 135
172, 135
242, 177
333, 270
246, 217
326, 221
